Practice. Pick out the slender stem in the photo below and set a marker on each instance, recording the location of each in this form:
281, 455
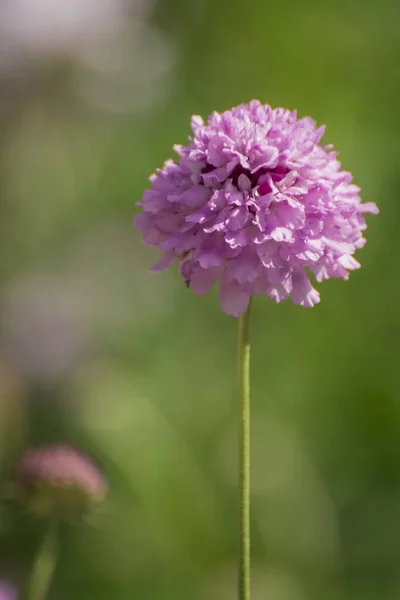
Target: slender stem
44, 564
244, 454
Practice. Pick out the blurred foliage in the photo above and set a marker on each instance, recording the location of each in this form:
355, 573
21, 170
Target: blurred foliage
140, 373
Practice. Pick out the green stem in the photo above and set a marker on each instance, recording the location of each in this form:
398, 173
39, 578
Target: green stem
44, 564
244, 454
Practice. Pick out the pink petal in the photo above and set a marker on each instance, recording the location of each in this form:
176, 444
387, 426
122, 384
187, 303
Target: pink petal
233, 300
303, 293
368, 207
204, 279
164, 263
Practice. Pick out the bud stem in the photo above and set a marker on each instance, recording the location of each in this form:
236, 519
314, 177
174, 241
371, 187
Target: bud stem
244, 454
44, 564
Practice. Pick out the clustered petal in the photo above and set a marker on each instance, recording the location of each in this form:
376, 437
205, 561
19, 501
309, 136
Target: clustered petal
59, 479
257, 204
61, 465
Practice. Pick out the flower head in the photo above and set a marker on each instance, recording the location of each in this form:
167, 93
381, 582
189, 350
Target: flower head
58, 479
254, 201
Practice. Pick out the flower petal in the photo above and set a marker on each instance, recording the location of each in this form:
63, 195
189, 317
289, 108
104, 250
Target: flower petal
233, 300
303, 293
204, 279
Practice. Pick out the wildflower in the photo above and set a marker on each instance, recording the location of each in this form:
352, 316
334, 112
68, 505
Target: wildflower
255, 203
59, 480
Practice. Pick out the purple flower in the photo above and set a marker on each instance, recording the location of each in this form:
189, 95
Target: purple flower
256, 203
58, 479
7, 591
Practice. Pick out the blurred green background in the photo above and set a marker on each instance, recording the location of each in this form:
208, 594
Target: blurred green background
138, 371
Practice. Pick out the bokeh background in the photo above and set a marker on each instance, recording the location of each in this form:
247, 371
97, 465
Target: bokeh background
139, 372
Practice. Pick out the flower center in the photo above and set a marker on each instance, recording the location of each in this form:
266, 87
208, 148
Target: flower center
277, 174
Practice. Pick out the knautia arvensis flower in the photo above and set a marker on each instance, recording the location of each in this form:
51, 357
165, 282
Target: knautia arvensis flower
256, 203
58, 480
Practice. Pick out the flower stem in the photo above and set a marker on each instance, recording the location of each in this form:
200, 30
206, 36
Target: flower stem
244, 454
44, 564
